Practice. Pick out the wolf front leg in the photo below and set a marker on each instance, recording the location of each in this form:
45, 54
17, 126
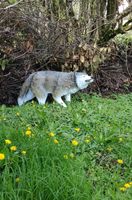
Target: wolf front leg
59, 100
68, 97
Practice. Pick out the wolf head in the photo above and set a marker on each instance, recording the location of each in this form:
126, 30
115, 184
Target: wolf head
83, 80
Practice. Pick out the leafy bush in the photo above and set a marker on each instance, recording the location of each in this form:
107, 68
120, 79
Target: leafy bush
124, 40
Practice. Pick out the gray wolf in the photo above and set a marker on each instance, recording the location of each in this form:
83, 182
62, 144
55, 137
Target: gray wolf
42, 83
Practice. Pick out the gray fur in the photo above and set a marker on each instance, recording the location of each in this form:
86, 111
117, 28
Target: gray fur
40, 84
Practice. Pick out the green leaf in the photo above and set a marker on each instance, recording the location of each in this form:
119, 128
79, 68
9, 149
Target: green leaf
12, 1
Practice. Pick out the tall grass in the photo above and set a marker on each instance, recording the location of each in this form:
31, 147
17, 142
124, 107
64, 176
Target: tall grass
48, 165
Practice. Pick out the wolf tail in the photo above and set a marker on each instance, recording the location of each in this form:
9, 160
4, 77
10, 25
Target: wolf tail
25, 92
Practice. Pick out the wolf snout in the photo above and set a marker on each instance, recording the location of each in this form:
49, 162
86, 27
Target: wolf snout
89, 80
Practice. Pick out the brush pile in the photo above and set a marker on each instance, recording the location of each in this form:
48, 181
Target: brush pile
30, 42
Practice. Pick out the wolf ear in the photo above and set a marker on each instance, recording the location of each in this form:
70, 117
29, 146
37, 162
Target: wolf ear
84, 71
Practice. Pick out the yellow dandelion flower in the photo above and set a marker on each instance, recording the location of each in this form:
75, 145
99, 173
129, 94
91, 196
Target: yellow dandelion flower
72, 155
32, 102
2, 156
8, 142
13, 148
120, 139
17, 179
17, 114
74, 142
109, 149
23, 152
56, 141
87, 140
127, 185
122, 189
84, 110
65, 156
77, 129
51, 134
28, 133
119, 161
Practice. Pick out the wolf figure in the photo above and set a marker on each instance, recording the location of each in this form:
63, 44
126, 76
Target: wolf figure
42, 83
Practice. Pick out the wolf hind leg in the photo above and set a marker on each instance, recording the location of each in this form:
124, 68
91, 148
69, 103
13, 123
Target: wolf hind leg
29, 96
42, 99
40, 93
59, 100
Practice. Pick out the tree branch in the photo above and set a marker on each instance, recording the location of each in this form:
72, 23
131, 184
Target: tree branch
12, 5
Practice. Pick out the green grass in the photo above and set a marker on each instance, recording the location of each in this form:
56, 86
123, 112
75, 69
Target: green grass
49, 171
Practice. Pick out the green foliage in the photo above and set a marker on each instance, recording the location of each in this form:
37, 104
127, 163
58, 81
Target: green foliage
124, 40
3, 63
55, 171
12, 1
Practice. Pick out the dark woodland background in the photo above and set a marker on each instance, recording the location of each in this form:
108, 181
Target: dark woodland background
65, 35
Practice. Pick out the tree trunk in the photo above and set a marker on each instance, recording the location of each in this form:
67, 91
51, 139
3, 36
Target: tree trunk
112, 7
